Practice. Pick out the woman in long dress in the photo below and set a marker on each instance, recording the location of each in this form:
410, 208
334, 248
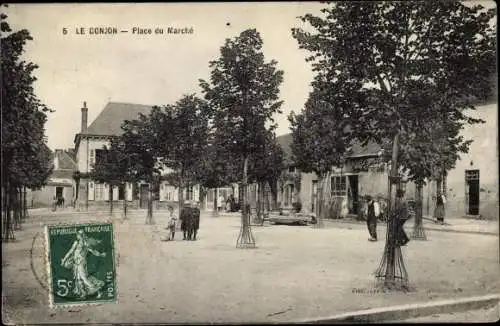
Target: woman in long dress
76, 259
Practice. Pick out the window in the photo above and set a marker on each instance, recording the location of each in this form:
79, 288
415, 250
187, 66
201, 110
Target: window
121, 192
189, 193
339, 186
471, 175
100, 190
99, 155
92, 156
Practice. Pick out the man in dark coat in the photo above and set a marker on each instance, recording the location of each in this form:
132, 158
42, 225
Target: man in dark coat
371, 219
190, 221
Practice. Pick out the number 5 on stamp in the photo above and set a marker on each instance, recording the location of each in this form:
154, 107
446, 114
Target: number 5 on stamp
80, 264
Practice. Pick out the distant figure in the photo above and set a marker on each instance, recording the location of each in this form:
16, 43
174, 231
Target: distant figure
54, 204
382, 207
172, 224
439, 212
220, 203
400, 217
371, 219
344, 210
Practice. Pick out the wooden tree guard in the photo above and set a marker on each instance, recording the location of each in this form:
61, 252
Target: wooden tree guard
391, 273
245, 238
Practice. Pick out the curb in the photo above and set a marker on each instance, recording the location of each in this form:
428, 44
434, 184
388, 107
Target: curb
426, 228
461, 231
409, 311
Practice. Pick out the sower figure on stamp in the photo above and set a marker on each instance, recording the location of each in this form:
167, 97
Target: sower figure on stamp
76, 258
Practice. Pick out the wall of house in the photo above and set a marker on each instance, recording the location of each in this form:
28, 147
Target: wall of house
83, 152
45, 196
482, 156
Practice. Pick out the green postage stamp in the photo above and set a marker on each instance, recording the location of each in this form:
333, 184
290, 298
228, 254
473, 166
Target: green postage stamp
80, 264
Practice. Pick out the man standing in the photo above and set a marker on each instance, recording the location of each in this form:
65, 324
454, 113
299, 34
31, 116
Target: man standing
371, 219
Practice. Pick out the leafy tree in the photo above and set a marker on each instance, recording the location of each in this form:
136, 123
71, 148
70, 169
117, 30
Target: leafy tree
26, 160
139, 144
114, 170
321, 139
183, 130
217, 167
396, 58
265, 168
243, 94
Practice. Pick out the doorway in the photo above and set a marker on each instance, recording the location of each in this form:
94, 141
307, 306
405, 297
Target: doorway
472, 192
143, 196
352, 194
59, 192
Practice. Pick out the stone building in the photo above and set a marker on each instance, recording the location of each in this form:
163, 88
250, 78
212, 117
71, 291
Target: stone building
60, 183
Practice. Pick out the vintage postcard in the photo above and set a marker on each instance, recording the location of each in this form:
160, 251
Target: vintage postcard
250, 162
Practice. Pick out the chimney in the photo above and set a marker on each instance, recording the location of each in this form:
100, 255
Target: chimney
84, 117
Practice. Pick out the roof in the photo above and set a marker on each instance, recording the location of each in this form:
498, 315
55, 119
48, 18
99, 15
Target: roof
370, 149
62, 174
66, 162
109, 121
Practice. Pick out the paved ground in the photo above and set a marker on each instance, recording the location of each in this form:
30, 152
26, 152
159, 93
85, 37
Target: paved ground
297, 272
485, 315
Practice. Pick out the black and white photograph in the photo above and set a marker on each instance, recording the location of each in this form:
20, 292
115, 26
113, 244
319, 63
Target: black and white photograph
249, 162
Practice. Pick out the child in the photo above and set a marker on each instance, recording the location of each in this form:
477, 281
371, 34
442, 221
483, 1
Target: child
172, 223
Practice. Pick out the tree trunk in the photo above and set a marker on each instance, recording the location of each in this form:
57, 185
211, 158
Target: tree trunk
320, 200
149, 219
445, 175
7, 230
180, 199
125, 192
215, 212
201, 198
392, 269
245, 239
25, 204
259, 202
418, 228
110, 195
17, 210
273, 187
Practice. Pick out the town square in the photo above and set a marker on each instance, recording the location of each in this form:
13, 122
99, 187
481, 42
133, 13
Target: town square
263, 163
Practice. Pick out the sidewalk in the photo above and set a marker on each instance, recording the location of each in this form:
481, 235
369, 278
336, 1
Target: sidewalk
456, 224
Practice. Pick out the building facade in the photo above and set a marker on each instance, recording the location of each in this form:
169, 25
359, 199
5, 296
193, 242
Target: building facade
89, 144
471, 188
60, 184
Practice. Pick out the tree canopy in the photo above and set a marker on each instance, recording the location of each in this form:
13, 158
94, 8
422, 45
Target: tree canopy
400, 66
